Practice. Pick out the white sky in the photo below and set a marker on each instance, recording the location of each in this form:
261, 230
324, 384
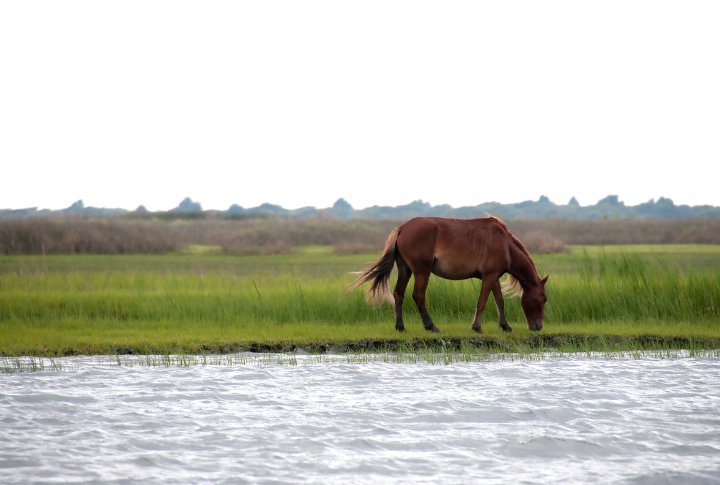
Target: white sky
380, 102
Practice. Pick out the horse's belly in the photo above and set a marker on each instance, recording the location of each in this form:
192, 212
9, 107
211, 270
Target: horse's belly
450, 271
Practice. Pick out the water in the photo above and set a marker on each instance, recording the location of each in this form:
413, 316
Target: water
564, 420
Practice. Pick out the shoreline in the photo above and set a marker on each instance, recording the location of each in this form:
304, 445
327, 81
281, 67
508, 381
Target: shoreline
546, 342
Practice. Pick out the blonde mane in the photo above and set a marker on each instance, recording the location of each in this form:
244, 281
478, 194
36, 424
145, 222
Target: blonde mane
511, 286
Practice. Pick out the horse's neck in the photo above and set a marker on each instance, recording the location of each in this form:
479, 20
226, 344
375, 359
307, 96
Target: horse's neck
522, 268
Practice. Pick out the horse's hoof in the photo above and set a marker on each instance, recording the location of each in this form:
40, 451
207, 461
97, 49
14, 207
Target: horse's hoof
507, 328
433, 329
477, 329
400, 329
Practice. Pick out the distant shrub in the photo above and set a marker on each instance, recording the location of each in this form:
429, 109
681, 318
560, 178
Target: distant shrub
539, 243
621, 231
293, 232
77, 235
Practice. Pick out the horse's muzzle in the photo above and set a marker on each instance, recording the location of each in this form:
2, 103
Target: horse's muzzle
535, 326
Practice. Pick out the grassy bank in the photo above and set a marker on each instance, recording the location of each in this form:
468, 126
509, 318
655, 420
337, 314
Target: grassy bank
193, 302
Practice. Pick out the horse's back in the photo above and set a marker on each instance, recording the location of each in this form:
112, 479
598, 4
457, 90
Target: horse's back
455, 248
446, 231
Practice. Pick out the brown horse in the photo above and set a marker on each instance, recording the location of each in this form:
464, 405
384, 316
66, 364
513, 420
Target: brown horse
457, 249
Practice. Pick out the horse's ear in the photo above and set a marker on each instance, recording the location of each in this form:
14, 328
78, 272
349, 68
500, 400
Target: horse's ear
544, 280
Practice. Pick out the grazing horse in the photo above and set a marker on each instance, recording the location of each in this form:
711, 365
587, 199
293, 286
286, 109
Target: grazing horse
457, 249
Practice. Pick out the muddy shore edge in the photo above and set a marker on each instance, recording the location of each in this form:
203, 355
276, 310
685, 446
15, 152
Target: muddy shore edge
549, 342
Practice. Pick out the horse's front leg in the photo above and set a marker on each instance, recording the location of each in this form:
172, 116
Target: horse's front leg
487, 284
500, 305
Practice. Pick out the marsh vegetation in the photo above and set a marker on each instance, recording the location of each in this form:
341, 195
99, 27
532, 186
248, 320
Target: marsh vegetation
280, 235
206, 301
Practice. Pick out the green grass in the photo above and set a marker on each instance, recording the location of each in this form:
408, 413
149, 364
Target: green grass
197, 249
96, 304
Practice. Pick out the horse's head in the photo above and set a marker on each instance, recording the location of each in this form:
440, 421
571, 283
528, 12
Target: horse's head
533, 304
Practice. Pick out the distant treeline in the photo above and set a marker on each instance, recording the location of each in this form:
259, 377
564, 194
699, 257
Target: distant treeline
272, 235
609, 207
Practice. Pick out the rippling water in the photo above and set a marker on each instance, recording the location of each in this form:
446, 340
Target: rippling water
558, 420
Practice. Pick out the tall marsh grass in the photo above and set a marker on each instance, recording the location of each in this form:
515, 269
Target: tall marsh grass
286, 301
281, 235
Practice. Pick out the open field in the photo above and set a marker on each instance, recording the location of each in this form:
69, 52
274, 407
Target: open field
204, 301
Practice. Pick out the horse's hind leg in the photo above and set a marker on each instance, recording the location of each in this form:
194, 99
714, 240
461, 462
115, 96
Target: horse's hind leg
421, 281
500, 305
399, 293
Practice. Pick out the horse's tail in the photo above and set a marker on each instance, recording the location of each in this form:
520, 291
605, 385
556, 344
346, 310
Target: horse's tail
379, 273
